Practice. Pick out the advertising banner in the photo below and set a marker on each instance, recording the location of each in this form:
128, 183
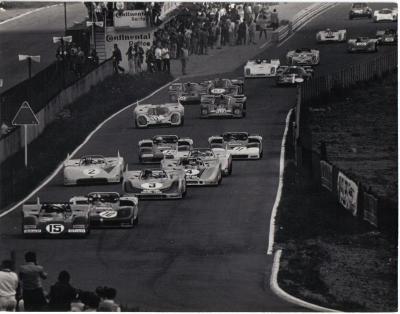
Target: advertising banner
123, 39
348, 193
326, 175
130, 19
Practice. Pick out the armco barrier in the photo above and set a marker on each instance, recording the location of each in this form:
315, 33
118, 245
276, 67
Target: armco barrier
299, 19
13, 141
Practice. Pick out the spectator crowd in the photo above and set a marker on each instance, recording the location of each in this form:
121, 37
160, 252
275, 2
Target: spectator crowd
24, 291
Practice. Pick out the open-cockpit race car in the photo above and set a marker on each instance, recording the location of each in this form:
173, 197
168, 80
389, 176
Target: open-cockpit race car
187, 92
360, 9
168, 114
303, 56
55, 219
385, 15
293, 75
109, 209
240, 145
93, 169
362, 44
330, 35
155, 183
207, 154
387, 36
198, 171
153, 150
223, 106
261, 68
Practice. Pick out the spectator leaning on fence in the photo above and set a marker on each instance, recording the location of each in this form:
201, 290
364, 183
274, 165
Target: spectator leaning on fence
8, 287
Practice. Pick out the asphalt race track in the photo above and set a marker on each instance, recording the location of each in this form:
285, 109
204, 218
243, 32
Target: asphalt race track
206, 252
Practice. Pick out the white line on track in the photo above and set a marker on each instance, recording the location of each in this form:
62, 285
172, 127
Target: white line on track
280, 185
305, 23
27, 13
55, 172
286, 296
264, 44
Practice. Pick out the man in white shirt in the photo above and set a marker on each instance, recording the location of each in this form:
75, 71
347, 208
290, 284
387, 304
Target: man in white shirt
8, 287
165, 58
158, 56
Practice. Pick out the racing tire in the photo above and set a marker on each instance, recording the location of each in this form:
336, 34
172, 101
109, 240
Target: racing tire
261, 154
184, 193
182, 121
376, 48
220, 179
135, 221
230, 169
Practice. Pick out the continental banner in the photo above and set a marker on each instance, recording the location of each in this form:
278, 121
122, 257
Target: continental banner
130, 19
123, 39
326, 175
347, 193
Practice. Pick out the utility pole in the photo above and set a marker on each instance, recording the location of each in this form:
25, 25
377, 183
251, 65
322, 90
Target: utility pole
65, 18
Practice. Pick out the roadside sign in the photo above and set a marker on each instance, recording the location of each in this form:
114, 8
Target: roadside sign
26, 57
67, 39
25, 115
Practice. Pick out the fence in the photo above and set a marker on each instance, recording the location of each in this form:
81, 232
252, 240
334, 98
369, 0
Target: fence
345, 78
353, 195
40, 89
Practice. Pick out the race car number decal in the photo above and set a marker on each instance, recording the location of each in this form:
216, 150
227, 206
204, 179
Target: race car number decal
108, 214
151, 186
218, 90
192, 172
91, 171
54, 228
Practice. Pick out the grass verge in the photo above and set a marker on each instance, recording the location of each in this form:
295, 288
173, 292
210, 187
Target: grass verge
74, 123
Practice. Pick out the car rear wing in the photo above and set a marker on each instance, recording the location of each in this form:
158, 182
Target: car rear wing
216, 142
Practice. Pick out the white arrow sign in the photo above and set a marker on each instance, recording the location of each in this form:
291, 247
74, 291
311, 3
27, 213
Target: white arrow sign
67, 39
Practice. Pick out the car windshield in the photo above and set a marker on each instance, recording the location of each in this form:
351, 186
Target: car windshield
92, 160
201, 153
153, 174
158, 111
55, 208
191, 162
385, 11
235, 137
300, 50
359, 5
220, 83
104, 197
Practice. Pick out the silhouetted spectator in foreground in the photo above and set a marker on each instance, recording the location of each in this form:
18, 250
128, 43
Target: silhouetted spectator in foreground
8, 287
108, 303
61, 293
31, 275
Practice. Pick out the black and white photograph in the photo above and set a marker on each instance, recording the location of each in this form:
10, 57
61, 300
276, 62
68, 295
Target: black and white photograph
199, 156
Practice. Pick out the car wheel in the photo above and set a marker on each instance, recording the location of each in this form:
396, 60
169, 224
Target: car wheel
261, 154
230, 168
182, 121
220, 179
376, 48
135, 221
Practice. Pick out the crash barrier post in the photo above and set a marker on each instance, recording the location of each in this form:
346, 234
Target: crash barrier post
47, 111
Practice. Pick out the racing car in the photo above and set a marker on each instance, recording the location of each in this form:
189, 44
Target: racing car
55, 219
360, 10
240, 145
387, 36
218, 153
385, 15
155, 183
153, 150
261, 68
187, 92
197, 171
109, 209
93, 169
362, 44
225, 86
293, 75
171, 114
329, 35
303, 56
223, 106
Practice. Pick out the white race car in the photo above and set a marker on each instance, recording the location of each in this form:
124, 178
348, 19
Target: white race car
329, 35
303, 56
240, 145
261, 68
146, 115
360, 9
93, 169
385, 15
207, 154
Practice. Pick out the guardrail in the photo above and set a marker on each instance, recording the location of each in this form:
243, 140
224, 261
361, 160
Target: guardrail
299, 19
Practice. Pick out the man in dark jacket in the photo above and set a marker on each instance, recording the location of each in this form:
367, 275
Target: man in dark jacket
61, 293
117, 58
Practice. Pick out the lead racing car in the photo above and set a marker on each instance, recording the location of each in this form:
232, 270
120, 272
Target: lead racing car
109, 209
387, 37
155, 183
303, 56
385, 15
197, 171
240, 145
261, 68
55, 219
293, 75
93, 169
330, 35
223, 106
187, 92
153, 150
362, 44
169, 114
